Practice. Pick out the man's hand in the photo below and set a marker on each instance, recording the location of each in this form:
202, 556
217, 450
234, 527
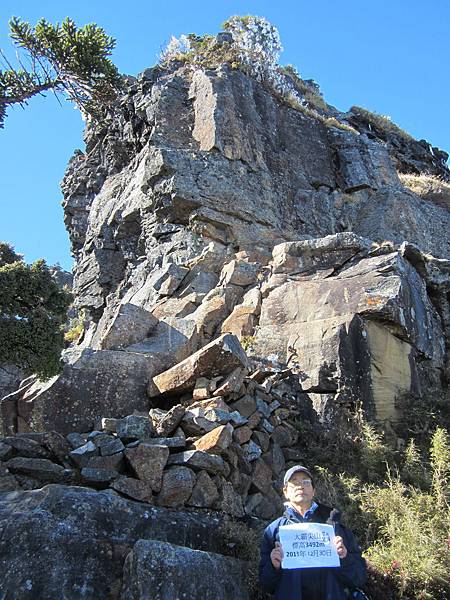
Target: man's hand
276, 556
341, 549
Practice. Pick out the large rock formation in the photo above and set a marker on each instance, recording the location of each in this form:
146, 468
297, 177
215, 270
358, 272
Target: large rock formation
174, 212
240, 261
72, 543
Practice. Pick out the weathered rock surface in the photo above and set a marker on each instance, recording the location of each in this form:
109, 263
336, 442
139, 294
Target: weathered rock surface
97, 382
355, 323
85, 535
187, 573
174, 209
219, 357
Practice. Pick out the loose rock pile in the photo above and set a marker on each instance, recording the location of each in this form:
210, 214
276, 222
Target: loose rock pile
221, 446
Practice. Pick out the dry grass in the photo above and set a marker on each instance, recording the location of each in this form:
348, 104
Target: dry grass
428, 187
382, 122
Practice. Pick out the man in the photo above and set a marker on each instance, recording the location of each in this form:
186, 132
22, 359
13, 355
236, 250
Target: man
312, 583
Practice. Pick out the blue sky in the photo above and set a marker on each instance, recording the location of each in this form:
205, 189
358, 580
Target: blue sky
391, 57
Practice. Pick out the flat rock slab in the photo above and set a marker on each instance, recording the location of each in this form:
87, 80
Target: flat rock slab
108, 382
84, 535
39, 468
186, 573
200, 460
220, 357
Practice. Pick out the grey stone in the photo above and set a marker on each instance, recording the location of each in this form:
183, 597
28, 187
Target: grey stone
80, 456
176, 488
261, 476
251, 451
237, 419
134, 426
242, 435
284, 435
39, 468
245, 405
129, 325
85, 390
219, 357
267, 426
196, 424
113, 461
6, 451
253, 500
170, 421
204, 493
97, 435
148, 462
275, 458
170, 278
58, 446
231, 384
171, 442
201, 461
210, 576
217, 416
262, 439
76, 439
229, 501
239, 273
26, 447
133, 488
108, 424
98, 477
263, 407
30, 520
112, 446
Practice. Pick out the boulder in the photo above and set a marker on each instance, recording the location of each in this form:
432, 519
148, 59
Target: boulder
81, 456
216, 441
133, 488
41, 469
85, 535
358, 330
176, 488
187, 573
170, 421
134, 427
148, 462
204, 493
86, 390
238, 272
199, 460
221, 356
129, 325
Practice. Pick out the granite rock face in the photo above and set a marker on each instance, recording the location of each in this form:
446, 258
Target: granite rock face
355, 323
242, 266
85, 536
204, 203
187, 573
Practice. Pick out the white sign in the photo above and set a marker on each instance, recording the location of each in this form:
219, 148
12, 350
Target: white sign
308, 545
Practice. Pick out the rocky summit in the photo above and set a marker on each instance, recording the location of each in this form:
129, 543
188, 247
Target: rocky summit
240, 263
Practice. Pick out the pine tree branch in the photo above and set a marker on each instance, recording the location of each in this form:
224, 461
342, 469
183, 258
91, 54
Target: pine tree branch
26, 95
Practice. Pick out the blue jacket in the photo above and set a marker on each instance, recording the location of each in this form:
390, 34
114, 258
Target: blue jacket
328, 583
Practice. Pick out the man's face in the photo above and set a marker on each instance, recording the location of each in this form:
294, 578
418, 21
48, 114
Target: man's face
299, 489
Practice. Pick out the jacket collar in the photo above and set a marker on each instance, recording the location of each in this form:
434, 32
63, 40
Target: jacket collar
296, 517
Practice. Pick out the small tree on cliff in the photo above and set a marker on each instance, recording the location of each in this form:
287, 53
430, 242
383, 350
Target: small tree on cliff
62, 59
32, 310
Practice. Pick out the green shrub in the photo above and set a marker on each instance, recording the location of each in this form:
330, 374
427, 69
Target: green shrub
76, 329
32, 312
412, 527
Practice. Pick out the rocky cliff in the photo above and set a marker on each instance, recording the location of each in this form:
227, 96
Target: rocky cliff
208, 216
204, 205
